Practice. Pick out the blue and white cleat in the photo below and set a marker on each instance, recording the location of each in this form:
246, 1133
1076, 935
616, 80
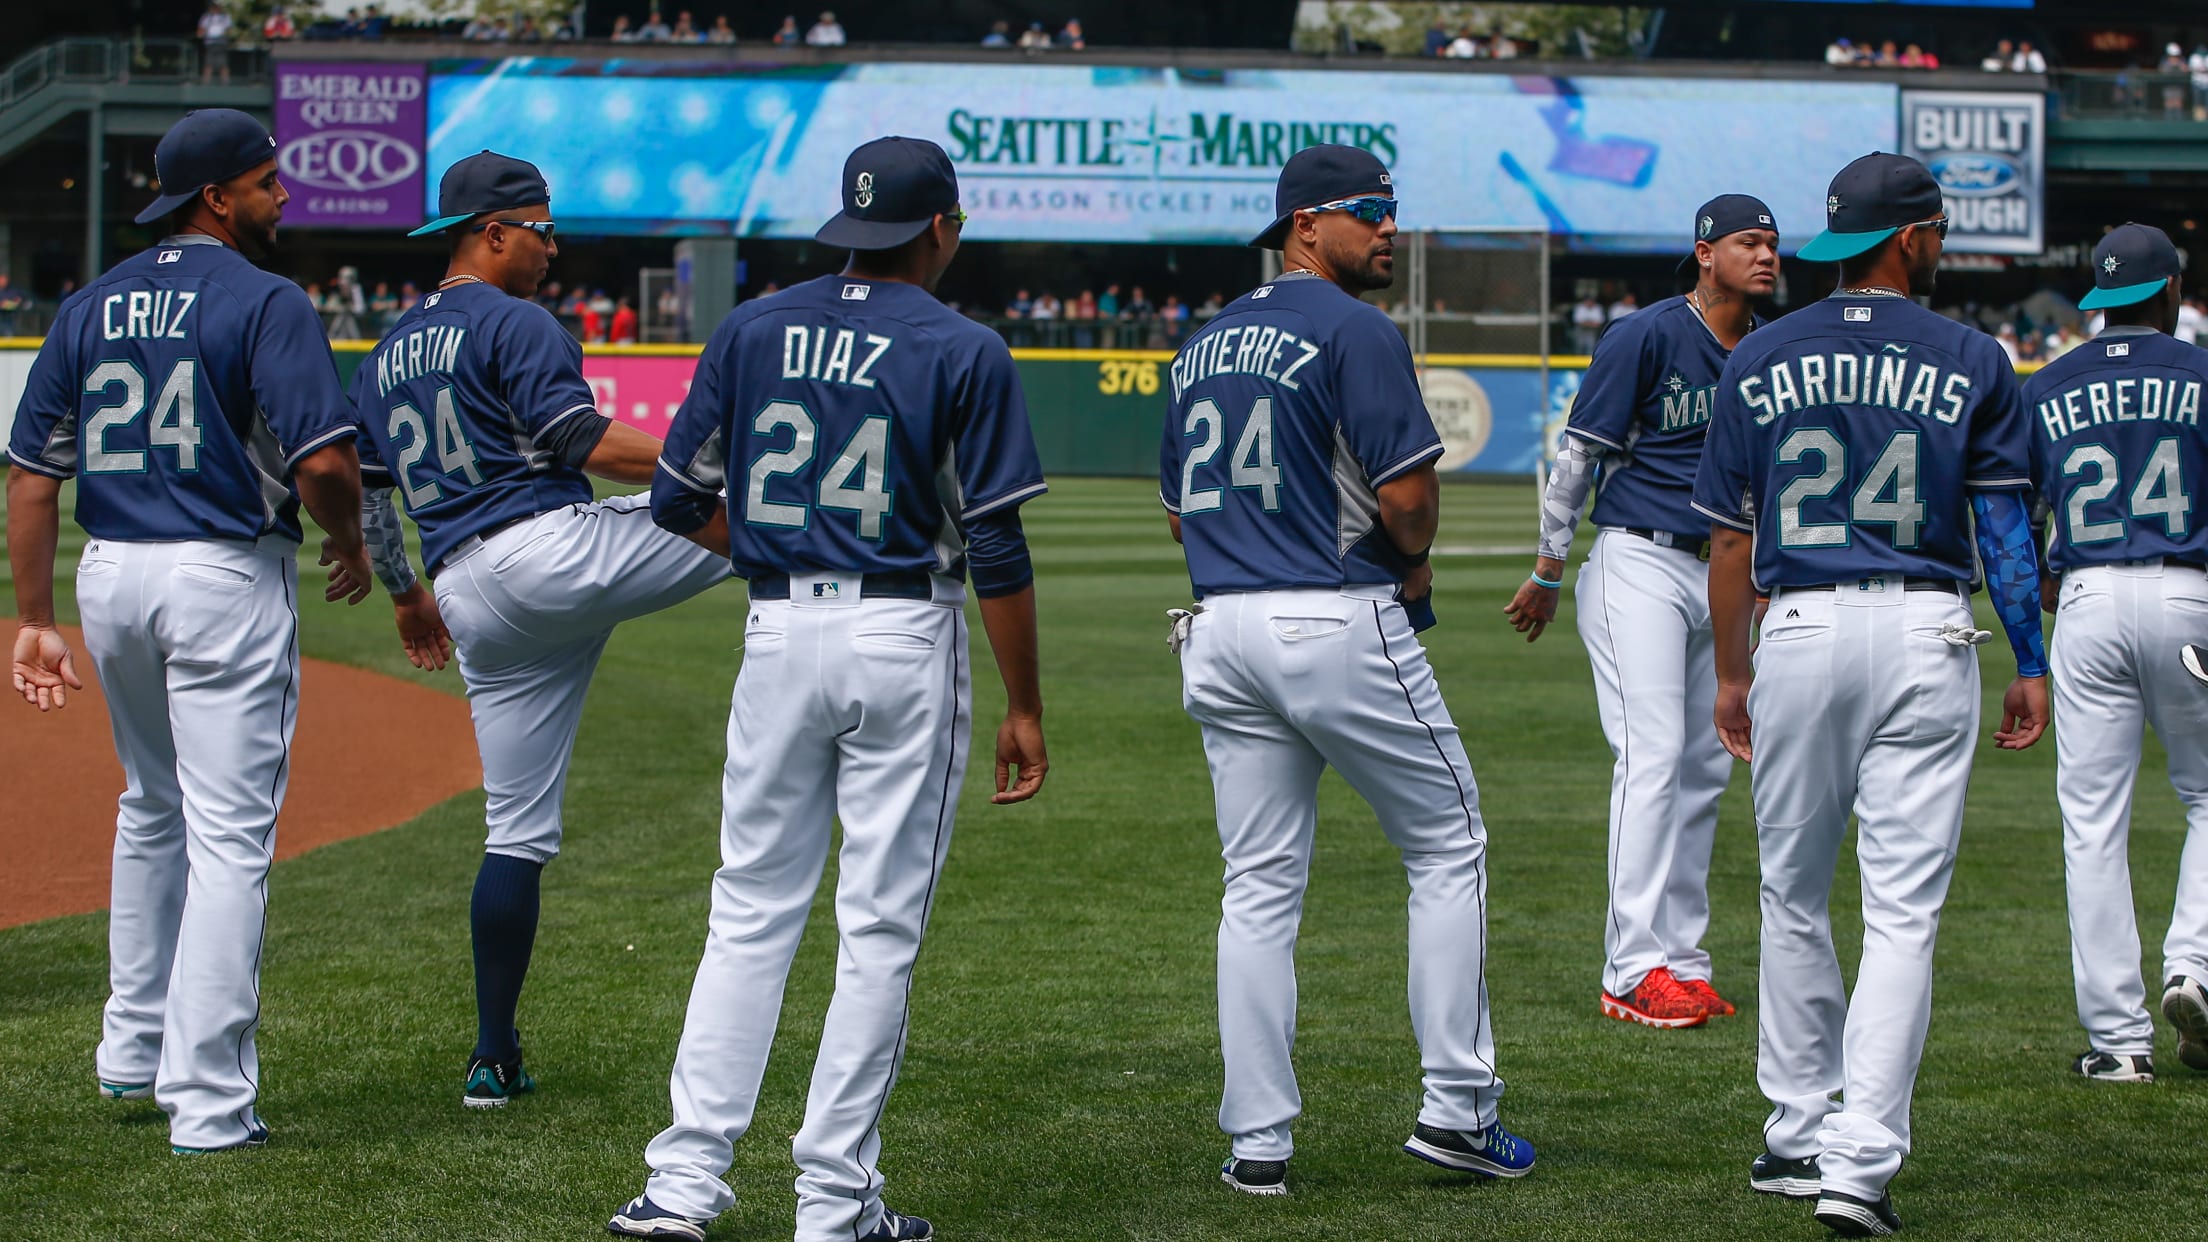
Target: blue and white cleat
1255, 1177
643, 1218
1493, 1152
898, 1227
2185, 1004
256, 1137
126, 1090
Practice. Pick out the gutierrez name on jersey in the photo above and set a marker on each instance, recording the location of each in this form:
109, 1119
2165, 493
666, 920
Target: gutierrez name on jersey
1273, 353
1885, 378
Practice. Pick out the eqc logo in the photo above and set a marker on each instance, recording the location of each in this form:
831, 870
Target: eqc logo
348, 159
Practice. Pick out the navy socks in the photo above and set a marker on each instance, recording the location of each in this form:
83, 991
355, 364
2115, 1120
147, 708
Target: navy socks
503, 916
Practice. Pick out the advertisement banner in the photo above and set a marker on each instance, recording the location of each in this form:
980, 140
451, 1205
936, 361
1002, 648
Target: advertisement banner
1103, 153
1988, 152
349, 143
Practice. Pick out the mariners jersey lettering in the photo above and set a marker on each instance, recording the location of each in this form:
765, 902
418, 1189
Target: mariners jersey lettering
1647, 398
2117, 448
1853, 431
457, 406
179, 390
857, 426
1290, 408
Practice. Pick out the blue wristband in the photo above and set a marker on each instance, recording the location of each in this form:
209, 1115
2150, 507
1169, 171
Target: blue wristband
1540, 581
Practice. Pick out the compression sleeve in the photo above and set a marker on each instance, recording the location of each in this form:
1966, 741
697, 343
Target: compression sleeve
996, 553
386, 538
1570, 482
2012, 574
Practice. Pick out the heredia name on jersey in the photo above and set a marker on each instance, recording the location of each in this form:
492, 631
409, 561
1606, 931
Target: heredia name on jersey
1267, 352
418, 353
1886, 378
2138, 398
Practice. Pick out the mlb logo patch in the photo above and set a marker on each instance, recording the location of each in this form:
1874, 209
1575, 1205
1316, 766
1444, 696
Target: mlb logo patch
856, 293
827, 590
1856, 314
1263, 291
2121, 349
168, 256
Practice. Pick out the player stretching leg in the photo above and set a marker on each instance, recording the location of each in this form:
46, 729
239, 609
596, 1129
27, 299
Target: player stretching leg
1298, 472
2118, 453
475, 410
193, 398
1845, 441
874, 447
1639, 421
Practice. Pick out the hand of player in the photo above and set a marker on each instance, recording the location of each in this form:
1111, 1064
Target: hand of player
1417, 584
1019, 746
1732, 719
2023, 713
1531, 610
350, 577
44, 671
422, 629
2050, 592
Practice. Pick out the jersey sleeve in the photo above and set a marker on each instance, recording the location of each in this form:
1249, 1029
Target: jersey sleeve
294, 376
998, 466
1722, 482
374, 471
1381, 411
44, 438
1623, 367
540, 371
693, 463
2000, 452
1169, 464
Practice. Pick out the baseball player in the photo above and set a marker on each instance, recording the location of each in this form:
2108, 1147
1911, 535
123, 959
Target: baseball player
474, 408
1637, 426
193, 398
875, 449
1851, 445
2118, 452
1298, 474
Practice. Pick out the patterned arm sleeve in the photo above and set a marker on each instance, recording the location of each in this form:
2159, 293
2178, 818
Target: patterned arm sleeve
2012, 574
1570, 482
386, 535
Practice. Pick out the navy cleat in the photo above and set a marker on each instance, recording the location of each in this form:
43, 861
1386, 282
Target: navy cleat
492, 1082
2114, 1066
642, 1218
1777, 1175
255, 1137
1851, 1217
1255, 1177
1493, 1152
898, 1227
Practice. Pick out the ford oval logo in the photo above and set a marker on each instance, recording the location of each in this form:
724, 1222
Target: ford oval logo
1971, 175
348, 159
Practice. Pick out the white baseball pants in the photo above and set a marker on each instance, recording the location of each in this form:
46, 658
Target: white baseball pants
1644, 615
1286, 683
844, 710
2115, 666
196, 644
1858, 705
530, 610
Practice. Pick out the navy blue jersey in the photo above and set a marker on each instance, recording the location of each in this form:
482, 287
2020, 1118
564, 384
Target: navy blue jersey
1289, 409
180, 389
1852, 430
2117, 448
858, 425
453, 404
1646, 398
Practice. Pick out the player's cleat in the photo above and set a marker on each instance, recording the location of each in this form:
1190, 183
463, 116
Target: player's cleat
126, 1090
1659, 999
1255, 1177
256, 1137
1701, 990
898, 1227
642, 1218
1493, 1152
2195, 659
1777, 1175
2114, 1066
1851, 1217
2185, 1004
491, 1083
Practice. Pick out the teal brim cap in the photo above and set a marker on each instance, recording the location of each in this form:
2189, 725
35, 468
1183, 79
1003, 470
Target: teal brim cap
441, 223
1831, 247
2102, 299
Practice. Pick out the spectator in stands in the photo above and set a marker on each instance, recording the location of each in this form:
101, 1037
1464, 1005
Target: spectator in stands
528, 31
1466, 46
2173, 91
1625, 305
1587, 321
1915, 57
655, 29
685, 30
11, 304
1069, 37
2005, 337
1839, 53
1437, 38
787, 35
1035, 38
1000, 35
383, 308
1107, 304
2062, 340
1174, 316
214, 43
1211, 306
2028, 350
409, 294
623, 331
2027, 60
2004, 54
348, 305
1502, 47
1045, 307
825, 32
279, 26
621, 32
373, 24
2190, 319
591, 323
1137, 306
722, 32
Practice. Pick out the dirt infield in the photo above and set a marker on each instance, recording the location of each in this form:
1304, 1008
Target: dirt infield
355, 730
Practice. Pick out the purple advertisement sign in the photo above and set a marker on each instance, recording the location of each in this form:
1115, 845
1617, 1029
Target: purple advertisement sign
349, 143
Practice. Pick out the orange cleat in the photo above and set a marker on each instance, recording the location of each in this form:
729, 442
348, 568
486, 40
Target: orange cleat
1659, 999
1701, 990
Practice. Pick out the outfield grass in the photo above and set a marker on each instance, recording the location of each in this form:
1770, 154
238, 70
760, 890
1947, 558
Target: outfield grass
1063, 1075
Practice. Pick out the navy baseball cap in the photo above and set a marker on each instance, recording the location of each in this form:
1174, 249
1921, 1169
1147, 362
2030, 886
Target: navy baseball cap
1323, 174
207, 147
1728, 214
893, 188
1871, 200
2131, 265
482, 183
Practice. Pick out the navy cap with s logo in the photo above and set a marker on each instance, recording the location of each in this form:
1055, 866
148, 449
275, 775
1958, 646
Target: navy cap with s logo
2130, 265
207, 147
1325, 173
893, 188
482, 183
1871, 200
